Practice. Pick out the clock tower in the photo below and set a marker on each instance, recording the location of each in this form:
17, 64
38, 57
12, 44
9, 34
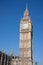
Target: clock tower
25, 47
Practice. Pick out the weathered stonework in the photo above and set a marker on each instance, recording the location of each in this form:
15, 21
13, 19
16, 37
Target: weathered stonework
25, 46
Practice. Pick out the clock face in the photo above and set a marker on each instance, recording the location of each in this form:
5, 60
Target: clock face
25, 26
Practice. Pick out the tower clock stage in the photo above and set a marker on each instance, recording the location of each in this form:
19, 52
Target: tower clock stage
25, 45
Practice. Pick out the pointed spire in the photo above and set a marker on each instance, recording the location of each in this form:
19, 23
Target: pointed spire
26, 13
26, 7
2, 50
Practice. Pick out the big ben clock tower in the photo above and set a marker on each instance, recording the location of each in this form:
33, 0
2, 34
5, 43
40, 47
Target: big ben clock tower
25, 46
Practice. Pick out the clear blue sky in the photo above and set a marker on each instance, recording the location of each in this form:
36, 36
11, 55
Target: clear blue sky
11, 12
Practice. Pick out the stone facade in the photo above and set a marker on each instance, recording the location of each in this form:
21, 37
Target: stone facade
25, 46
